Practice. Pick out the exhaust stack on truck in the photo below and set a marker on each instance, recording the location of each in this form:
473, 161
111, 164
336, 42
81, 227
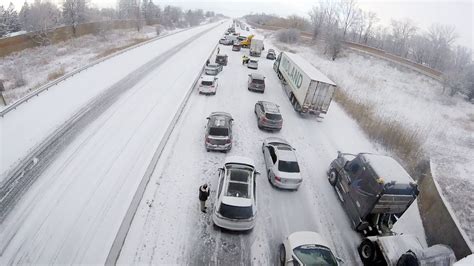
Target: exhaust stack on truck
309, 90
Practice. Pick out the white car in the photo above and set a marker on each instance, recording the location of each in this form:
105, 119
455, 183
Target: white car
235, 207
253, 64
282, 166
208, 85
213, 69
306, 248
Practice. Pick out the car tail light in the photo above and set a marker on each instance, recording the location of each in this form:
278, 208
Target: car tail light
264, 119
208, 140
277, 178
228, 141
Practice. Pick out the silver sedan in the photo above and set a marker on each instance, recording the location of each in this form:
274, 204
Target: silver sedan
282, 166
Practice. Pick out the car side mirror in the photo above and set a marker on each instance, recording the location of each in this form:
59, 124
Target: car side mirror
340, 260
257, 173
207, 118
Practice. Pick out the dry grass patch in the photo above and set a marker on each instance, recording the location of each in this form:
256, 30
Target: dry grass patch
116, 49
404, 142
56, 74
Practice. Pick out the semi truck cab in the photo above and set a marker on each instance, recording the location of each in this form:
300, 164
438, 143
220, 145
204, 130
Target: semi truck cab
375, 190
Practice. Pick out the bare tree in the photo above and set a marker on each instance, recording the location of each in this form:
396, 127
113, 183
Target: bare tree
402, 31
288, 35
74, 13
441, 37
317, 20
348, 11
43, 17
371, 19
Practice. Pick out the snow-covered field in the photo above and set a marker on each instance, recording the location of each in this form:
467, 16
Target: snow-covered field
445, 123
39, 65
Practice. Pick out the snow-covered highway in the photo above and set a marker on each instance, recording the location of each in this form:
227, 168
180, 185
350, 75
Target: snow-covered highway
169, 227
72, 212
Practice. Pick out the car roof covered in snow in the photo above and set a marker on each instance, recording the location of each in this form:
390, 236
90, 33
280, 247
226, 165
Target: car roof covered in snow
208, 78
240, 160
309, 69
297, 239
270, 107
286, 154
387, 168
257, 76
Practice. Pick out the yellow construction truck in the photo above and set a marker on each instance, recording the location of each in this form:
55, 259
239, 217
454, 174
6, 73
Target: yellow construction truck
246, 43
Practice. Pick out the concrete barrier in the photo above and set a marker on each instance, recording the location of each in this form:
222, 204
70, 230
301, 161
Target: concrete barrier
440, 223
17, 43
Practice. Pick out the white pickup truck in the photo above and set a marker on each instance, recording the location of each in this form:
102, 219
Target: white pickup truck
309, 90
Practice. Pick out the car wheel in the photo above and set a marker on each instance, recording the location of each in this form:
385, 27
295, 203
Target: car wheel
332, 177
282, 255
367, 251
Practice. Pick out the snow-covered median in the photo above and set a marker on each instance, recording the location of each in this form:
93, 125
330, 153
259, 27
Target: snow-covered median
445, 124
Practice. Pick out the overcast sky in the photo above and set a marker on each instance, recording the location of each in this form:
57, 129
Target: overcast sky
458, 13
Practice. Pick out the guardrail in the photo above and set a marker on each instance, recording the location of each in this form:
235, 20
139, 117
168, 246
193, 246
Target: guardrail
137, 197
47, 86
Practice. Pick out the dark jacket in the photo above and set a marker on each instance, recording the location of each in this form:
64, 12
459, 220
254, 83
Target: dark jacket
203, 193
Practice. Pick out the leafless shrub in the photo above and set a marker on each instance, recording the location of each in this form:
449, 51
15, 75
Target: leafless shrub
56, 74
288, 35
158, 29
16, 76
404, 142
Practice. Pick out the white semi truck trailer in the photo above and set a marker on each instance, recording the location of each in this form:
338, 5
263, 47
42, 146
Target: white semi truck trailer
256, 46
309, 90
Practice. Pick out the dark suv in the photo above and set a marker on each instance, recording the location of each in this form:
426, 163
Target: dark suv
219, 132
268, 116
256, 82
221, 59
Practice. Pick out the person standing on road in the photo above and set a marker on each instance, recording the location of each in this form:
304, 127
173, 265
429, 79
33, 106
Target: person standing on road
218, 50
203, 195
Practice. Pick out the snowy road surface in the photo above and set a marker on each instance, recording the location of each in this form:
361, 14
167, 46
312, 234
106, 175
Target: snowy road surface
73, 211
30, 123
71, 214
169, 227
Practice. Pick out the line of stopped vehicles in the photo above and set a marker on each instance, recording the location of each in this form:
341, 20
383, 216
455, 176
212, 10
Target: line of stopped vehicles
375, 190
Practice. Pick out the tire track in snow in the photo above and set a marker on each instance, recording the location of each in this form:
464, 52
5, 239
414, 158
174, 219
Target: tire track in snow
12, 190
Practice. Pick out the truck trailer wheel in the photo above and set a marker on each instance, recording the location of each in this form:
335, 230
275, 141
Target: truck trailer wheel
367, 252
332, 177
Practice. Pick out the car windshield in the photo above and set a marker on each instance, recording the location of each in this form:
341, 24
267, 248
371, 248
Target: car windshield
258, 81
315, 255
288, 166
206, 83
219, 131
235, 212
273, 116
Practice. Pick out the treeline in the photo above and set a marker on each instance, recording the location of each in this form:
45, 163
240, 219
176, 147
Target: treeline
343, 20
44, 15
